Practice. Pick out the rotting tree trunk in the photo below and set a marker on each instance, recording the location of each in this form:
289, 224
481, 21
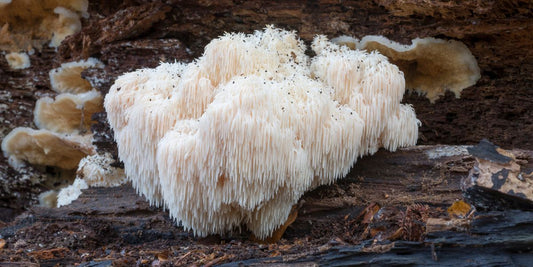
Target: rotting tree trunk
131, 34
389, 205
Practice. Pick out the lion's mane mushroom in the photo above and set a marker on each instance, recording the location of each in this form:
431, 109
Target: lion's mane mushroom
372, 87
238, 136
431, 66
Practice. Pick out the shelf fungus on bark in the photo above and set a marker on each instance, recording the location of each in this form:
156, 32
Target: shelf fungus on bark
67, 78
431, 66
62, 139
43, 147
240, 134
68, 113
28, 24
64, 136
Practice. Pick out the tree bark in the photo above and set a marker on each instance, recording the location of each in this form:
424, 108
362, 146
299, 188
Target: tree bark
390, 204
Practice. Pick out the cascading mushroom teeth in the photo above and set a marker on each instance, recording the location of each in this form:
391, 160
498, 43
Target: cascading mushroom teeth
239, 135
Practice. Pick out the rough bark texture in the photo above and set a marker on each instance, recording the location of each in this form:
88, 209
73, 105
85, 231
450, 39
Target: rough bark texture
131, 34
390, 205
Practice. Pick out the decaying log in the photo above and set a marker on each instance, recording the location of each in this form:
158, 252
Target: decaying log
500, 179
385, 211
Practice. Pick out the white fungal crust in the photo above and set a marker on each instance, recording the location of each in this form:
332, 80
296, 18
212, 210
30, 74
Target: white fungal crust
431, 66
93, 171
239, 135
67, 78
97, 171
18, 61
68, 113
48, 199
70, 193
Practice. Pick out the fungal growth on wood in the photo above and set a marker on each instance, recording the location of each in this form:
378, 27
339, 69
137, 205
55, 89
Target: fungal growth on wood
93, 171
64, 136
42, 147
239, 135
27, 24
62, 139
18, 61
431, 66
67, 78
68, 113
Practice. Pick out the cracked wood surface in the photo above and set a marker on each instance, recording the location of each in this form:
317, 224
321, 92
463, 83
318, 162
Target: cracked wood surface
378, 213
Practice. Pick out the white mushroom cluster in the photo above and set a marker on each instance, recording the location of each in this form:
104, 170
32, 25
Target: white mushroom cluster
431, 66
239, 135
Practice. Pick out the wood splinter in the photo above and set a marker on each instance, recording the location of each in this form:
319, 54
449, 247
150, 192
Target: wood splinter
278, 233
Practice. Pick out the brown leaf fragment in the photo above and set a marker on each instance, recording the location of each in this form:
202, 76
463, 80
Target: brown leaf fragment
163, 256
369, 212
277, 234
219, 260
413, 222
459, 209
49, 254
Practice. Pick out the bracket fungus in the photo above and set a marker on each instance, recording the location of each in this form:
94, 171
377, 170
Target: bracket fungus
72, 109
431, 66
27, 24
43, 147
68, 113
239, 135
61, 140
67, 78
